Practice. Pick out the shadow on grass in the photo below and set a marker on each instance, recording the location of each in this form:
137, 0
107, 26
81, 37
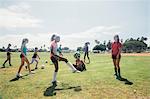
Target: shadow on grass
126, 81
16, 78
51, 91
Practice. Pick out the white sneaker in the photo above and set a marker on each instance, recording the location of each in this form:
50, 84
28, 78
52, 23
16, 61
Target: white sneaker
18, 75
32, 72
75, 71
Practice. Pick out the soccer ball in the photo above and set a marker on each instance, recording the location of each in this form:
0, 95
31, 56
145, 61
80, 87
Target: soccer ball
46, 61
43, 66
77, 55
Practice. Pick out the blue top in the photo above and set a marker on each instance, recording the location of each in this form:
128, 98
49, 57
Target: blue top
86, 48
24, 50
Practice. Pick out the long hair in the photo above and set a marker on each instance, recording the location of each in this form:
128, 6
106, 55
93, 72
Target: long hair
53, 37
116, 36
24, 40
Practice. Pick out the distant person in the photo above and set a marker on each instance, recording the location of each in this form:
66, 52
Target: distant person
116, 55
35, 57
60, 50
55, 58
86, 52
24, 58
8, 56
79, 65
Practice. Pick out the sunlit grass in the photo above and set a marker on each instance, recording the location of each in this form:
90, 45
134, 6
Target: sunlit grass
96, 83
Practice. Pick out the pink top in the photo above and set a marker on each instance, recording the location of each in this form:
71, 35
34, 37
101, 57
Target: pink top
54, 46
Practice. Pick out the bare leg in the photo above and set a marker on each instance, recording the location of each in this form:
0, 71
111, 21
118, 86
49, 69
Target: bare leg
115, 66
36, 64
118, 66
22, 63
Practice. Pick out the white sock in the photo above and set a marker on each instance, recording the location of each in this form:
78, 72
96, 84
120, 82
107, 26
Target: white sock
54, 76
71, 66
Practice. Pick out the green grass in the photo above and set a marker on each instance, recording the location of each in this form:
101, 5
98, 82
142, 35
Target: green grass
97, 82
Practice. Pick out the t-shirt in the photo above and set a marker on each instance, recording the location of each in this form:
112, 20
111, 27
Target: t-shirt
54, 46
86, 48
24, 50
115, 47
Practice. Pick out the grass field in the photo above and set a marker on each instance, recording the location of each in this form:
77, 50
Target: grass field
97, 82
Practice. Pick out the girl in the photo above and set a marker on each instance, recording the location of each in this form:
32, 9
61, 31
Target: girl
8, 56
116, 56
55, 58
34, 57
60, 51
86, 51
23, 57
79, 63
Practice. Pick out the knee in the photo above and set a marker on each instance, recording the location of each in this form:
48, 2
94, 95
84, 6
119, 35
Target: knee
56, 69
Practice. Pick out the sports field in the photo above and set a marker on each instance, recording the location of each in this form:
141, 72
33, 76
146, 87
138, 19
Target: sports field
98, 82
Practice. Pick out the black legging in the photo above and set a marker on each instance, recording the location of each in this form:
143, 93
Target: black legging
86, 54
8, 59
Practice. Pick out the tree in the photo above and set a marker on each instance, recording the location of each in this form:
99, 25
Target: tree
109, 45
135, 45
97, 42
79, 49
100, 47
65, 48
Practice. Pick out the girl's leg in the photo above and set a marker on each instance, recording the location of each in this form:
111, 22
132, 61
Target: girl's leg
84, 56
28, 64
115, 66
55, 72
9, 60
68, 63
118, 66
6, 61
32, 61
88, 56
36, 64
22, 63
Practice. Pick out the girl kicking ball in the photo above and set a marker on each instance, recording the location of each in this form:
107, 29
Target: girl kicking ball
116, 55
23, 57
8, 56
86, 51
55, 58
34, 57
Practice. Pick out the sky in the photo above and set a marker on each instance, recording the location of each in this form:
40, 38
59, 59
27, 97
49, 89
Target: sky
75, 21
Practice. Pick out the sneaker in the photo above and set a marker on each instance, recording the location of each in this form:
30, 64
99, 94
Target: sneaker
54, 83
75, 71
31, 72
18, 75
3, 66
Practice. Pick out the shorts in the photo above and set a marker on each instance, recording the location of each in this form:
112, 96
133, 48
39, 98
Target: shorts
56, 58
21, 56
115, 56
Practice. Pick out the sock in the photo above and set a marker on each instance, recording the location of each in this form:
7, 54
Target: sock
115, 71
71, 66
119, 72
54, 76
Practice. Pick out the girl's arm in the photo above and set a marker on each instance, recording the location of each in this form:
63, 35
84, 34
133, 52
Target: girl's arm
38, 56
120, 49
